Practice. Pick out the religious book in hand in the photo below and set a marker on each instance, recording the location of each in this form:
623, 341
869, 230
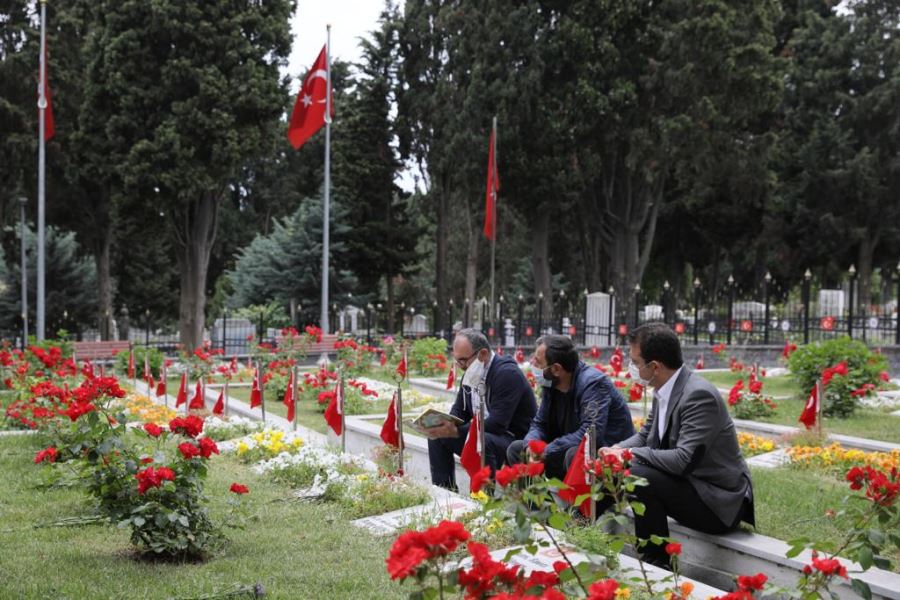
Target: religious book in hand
432, 418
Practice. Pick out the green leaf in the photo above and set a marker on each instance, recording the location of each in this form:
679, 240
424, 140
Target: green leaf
638, 508
138, 521
861, 588
865, 558
558, 521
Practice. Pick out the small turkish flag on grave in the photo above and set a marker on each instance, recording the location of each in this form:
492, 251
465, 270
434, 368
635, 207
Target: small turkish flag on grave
182, 391
390, 432
219, 408
470, 458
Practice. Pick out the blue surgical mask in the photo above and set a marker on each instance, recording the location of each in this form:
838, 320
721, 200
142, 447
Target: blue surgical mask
539, 377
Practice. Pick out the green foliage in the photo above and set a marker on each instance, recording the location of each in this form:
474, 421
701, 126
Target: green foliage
808, 362
286, 264
428, 356
154, 356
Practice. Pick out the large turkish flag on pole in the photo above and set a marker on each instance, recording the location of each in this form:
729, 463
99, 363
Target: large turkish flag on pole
309, 109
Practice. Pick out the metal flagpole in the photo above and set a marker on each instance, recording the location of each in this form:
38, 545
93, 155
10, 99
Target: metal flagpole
323, 315
22, 201
591, 448
480, 431
820, 389
494, 232
398, 408
341, 409
226, 397
165, 376
294, 395
262, 395
42, 169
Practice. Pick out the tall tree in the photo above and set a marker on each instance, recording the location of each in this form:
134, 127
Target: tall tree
187, 90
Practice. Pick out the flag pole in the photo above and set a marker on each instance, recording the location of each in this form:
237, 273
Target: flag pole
294, 394
494, 234
323, 315
262, 394
591, 448
42, 172
165, 377
399, 419
343, 420
819, 398
480, 432
225, 391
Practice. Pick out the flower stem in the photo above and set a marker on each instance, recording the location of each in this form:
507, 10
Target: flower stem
565, 556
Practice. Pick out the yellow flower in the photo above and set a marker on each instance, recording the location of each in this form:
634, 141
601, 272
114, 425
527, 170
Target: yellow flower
623, 593
480, 496
242, 447
297, 443
362, 477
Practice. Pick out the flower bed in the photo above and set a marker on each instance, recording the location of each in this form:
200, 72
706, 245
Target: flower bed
751, 445
838, 459
143, 409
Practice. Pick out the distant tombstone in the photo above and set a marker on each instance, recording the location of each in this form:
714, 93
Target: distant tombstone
509, 331
831, 303
746, 309
352, 312
418, 324
600, 307
236, 332
653, 312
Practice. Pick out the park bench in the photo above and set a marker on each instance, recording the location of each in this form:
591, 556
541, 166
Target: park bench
315, 349
99, 350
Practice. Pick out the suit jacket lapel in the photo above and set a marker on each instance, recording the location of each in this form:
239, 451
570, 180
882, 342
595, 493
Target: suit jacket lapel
675, 398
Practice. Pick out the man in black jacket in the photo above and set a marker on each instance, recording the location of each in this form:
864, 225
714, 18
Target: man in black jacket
575, 396
509, 406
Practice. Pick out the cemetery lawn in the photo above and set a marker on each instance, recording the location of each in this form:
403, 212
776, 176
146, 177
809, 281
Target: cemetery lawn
869, 423
295, 550
792, 503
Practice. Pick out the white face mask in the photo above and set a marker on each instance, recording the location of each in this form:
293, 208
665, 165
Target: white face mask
539, 377
474, 374
636, 374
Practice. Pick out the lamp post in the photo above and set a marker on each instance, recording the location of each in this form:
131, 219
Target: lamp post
22, 202
434, 318
147, 329
611, 316
665, 301
696, 310
584, 325
637, 301
852, 272
450, 320
730, 307
540, 323
562, 311
520, 314
897, 334
402, 316
767, 281
369, 309
807, 278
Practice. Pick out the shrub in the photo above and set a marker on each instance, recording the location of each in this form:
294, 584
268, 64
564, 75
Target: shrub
155, 357
808, 362
428, 356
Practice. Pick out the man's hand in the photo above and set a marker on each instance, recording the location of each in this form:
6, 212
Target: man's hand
445, 430
615, 451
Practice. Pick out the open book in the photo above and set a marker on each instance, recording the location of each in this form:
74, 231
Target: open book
432, 418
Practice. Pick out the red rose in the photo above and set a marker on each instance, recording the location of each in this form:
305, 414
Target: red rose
150, 478
239, 489
413, 548
673, 549
153, 429
603, 590
46, 455
829, 566
755, 386
537, 447
188, 450
479, 478
190, 426
755, 582
208, 447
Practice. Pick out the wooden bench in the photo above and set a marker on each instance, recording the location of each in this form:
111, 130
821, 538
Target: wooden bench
325, 346
99, 350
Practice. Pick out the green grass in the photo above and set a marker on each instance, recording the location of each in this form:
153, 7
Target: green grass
870, 423
792, 503
296, 550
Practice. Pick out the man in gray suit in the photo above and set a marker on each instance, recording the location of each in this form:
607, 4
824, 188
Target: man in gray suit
687, 449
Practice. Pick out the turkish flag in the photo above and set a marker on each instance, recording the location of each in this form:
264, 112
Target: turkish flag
390, 432
335, 410
493, 186
289, 397
131, 364
219, 408
811, 410
308, 115
401, 368
470, 458
197, 401
49, 121
451, 377
161, 388
256, 391
576, 481
182, 391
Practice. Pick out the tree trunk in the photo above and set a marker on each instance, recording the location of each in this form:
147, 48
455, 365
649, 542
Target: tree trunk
866, 251
195, 233
104, 284
441, 235
541, 262
472, 268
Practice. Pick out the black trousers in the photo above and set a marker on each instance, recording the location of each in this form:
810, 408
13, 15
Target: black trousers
556, 464
667, 496
441, 452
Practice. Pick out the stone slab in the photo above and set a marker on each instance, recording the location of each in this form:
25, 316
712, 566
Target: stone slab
439, 509
770, 460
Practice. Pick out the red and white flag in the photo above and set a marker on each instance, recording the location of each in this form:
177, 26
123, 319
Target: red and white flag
308, 115
182, 391
335, 410
289, 397
390, 431
811, 409
131, 363
256, 390
219, 407
470, 458
49, 121
451, 378
576, 480
493, 186
197, 401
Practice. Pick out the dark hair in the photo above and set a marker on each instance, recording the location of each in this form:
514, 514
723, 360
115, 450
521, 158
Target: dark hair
657, 342
476, 339
559, 349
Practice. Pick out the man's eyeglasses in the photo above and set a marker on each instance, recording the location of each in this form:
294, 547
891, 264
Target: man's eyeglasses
464, 362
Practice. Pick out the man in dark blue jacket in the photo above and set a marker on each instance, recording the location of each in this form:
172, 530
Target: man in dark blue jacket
575, 396
509, 406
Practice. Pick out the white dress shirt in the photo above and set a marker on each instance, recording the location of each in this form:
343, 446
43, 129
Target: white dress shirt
662, 396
